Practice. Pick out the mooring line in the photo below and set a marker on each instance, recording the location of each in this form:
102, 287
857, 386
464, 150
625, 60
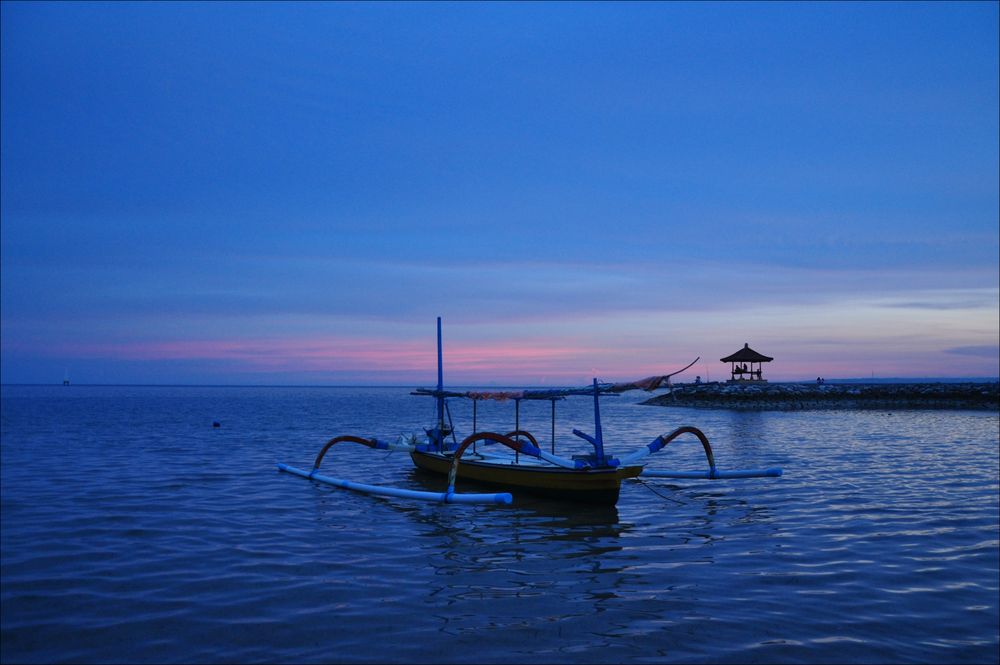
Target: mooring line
662, 496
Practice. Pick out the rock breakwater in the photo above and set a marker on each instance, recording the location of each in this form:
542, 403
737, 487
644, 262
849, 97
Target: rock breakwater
795, 396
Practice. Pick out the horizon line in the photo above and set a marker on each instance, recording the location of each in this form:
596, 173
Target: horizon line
897, 379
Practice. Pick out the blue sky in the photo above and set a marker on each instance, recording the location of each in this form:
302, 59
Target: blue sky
291, 192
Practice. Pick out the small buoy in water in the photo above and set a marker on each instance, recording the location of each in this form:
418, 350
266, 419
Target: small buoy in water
215, 423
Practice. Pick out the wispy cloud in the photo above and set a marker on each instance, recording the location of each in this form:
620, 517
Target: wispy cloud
613, 206
339, 355
986, 351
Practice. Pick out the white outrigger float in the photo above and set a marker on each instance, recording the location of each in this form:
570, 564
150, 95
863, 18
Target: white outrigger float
526, 467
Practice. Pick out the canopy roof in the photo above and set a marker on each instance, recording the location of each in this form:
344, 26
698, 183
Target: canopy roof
747, 355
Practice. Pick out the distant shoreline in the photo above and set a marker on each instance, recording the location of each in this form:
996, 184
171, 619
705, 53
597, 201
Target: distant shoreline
486, 385
803, 396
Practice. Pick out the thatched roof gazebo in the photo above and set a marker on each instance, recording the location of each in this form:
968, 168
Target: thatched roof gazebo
740, 360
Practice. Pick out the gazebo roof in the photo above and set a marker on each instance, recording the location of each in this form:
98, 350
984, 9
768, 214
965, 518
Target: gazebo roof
746, 355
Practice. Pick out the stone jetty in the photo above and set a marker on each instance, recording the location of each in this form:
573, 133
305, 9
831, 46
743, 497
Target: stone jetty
795, 396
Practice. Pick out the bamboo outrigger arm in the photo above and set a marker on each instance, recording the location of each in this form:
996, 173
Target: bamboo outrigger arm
442, 497
661, 441
522, 447
371, 443
713, 473
528, 435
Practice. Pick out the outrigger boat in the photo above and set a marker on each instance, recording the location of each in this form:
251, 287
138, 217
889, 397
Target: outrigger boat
593, 478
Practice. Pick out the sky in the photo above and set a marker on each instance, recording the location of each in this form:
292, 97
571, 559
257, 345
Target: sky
291, 193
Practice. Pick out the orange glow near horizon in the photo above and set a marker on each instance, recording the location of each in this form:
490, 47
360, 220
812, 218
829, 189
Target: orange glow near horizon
509, 359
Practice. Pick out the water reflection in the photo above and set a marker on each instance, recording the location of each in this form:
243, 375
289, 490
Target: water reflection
748, 430
564, 513
881, 535
655, 574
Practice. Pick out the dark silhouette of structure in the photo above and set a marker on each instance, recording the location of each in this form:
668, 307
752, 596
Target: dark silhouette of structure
740, 360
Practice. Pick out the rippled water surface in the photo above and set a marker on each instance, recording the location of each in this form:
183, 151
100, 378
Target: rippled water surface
134, 531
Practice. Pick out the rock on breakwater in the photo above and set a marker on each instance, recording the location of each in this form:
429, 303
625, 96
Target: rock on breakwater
794, 396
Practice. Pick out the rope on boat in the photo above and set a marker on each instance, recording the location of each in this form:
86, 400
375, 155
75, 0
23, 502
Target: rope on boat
772, 472
653, 490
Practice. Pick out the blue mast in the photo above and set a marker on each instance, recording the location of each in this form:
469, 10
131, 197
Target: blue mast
440, 389
600, 459
598, 435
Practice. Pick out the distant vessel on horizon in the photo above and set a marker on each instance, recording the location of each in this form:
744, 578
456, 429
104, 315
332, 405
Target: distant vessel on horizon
66, 378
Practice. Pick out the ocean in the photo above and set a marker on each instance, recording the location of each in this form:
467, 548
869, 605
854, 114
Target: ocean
134, 531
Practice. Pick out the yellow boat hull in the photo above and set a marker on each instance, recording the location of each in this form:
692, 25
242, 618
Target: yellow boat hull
587, 485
